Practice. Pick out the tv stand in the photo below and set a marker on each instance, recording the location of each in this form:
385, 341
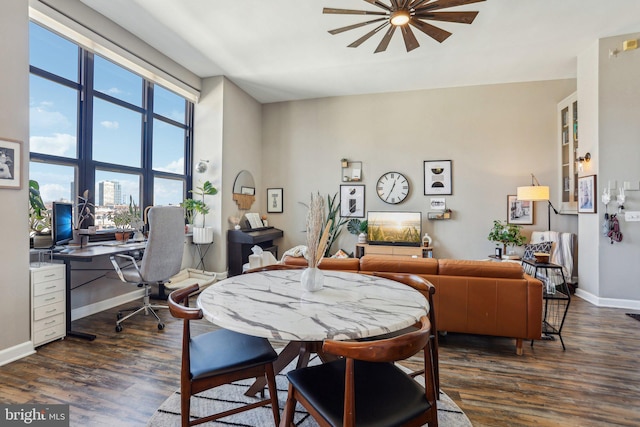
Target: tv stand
406, 251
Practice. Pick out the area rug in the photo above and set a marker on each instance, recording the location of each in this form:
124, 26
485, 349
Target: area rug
227, 396
634, 315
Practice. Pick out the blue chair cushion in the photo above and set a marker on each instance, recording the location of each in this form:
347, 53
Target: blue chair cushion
222, 351
385, 395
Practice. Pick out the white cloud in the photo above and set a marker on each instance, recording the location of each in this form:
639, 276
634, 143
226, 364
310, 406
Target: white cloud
110, 125
177, 166
60, 144
40, 117
114, 91
53, 192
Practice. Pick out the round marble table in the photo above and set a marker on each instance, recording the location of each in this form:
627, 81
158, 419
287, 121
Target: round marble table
272, 304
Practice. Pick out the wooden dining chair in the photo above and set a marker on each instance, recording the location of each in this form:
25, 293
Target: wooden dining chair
219, 357
363, 387
272, 267
425, 287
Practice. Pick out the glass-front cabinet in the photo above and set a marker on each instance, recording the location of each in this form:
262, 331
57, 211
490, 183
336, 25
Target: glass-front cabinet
568, 144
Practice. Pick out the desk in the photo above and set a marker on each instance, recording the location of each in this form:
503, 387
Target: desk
86, 254
272, 304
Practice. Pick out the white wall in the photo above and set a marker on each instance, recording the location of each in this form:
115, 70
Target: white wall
228, 126
496, 135
14, 124
614, 102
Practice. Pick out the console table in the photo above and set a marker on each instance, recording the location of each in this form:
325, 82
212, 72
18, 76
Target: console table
410, 251
556, 296
240, 243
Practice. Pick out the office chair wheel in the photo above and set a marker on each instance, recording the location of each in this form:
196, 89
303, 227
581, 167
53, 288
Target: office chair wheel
160, 326
118, 328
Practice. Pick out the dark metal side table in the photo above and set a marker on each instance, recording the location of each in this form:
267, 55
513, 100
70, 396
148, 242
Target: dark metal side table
556, 296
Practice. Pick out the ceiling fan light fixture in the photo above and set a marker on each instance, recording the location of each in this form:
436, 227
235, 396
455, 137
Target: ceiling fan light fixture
400, 17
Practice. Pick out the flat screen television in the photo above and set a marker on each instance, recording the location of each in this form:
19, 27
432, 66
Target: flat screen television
62, 223
394, 228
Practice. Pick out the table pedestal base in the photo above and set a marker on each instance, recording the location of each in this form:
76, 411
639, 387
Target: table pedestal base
300, 349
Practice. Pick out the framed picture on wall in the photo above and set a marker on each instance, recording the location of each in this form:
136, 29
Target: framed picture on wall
10, 161
437, 177
352, 201
274, 200
587, 194
519, 211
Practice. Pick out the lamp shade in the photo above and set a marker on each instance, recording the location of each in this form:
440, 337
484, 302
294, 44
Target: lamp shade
535, 193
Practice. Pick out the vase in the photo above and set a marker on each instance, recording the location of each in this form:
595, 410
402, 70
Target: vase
362, 238
202, 235
312, 279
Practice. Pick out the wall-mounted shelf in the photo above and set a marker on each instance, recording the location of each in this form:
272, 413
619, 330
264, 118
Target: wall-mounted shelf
439, 215
351, 171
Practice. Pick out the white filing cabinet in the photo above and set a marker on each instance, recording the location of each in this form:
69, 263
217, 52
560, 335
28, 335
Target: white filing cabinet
47, 303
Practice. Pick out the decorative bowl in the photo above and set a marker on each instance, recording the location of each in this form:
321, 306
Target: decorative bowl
541, 257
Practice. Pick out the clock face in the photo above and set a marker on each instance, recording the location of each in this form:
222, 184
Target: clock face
392, 187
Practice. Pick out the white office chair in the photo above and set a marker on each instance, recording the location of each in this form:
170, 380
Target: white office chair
162, 258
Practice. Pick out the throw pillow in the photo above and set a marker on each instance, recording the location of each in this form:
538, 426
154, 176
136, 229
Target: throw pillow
530, 249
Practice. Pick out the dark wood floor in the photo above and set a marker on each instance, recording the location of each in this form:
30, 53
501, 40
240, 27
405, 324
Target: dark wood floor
121, 378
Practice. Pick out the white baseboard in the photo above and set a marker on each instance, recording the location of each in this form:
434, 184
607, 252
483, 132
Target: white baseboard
608, 302
16, 352
88, 310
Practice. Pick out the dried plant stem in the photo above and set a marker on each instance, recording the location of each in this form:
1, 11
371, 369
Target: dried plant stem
322, 245
315, 221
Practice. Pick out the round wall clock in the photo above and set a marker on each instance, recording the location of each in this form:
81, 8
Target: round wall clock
392, 187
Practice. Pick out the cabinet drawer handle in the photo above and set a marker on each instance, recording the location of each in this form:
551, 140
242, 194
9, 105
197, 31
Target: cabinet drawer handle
50, 299
51, 287
52, 311
50, 334
50, 275
50, 322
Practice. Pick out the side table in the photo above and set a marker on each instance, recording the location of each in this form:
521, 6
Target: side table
556, 296
202, 254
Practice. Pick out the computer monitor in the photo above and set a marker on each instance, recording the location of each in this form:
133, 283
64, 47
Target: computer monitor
62, 222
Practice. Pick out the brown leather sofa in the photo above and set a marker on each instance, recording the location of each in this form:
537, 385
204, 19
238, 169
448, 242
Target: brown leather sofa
472, 297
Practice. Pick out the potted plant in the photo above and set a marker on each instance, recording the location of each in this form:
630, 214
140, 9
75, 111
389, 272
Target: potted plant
191, 208
203, 234
506, 234
39, 218
359, 228
122, 220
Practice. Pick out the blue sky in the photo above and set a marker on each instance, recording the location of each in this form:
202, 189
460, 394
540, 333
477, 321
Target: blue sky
116, 130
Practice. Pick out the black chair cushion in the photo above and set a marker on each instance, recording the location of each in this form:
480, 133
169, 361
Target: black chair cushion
385, 395
224, 351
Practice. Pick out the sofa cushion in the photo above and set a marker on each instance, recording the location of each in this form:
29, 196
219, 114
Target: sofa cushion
398, 264
498, 270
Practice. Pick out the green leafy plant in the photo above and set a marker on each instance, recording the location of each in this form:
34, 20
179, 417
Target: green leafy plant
39, 216
191, 208
122, 219
356, 226
506, 234
206, 189
333, 214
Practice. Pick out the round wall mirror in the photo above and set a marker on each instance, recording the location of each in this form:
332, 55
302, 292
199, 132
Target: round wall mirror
244, 190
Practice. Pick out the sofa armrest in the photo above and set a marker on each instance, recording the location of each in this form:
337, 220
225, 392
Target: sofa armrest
534, 307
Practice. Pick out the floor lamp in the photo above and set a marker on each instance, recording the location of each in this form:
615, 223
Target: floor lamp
537, 193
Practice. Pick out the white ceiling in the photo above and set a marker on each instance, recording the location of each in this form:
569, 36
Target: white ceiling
278, 50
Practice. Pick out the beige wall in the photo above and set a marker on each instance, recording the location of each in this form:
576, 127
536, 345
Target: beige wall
14, 262
495, 135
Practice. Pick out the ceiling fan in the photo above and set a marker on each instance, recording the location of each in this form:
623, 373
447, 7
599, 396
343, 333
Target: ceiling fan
403, 14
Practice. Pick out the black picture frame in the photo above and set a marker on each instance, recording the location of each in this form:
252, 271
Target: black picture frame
275, 200
438, 177
352, 201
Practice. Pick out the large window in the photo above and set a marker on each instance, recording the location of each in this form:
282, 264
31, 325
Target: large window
96, 125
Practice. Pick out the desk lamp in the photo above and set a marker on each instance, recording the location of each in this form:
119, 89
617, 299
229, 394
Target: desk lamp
537, 193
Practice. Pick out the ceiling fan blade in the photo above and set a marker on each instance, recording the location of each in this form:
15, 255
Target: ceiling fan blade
384, 43
459, 17
410, 40
351, 27
351, 11
368, 35
379, 4
442, 4
435, 33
